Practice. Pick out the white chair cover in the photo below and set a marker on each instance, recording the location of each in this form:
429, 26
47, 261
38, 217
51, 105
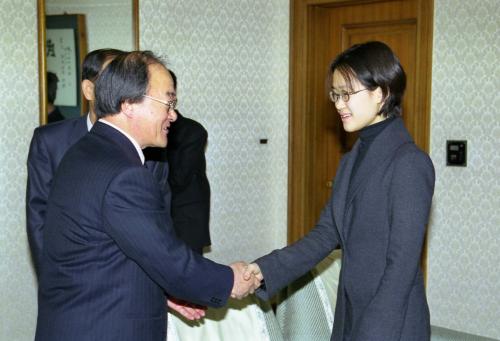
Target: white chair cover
247, 320
306, 308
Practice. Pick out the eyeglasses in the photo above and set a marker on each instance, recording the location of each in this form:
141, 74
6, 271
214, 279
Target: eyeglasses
334, 97
170, 104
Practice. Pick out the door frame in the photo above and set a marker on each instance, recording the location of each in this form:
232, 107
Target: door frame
299, 125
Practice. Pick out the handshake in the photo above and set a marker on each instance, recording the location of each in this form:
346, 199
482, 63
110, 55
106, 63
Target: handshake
247, 278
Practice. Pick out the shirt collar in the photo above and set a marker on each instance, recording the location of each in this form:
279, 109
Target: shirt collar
89, 122
134, 142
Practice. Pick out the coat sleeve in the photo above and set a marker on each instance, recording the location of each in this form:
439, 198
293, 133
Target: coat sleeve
410, 196
134, 216
281, 267
40, 174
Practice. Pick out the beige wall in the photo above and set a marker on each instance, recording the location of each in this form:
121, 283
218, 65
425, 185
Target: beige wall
18, 117
232, 63
464, 256
108, 23
231, 60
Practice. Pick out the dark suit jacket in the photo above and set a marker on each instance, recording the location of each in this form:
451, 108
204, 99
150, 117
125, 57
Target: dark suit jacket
110, 254
379, 219
188, 180
48, 146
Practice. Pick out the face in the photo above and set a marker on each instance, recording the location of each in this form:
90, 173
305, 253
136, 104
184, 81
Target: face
152, 118
361, 109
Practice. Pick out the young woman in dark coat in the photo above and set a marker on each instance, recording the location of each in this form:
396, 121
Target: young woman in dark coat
377, 213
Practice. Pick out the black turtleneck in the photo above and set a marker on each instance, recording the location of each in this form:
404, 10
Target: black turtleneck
366, 136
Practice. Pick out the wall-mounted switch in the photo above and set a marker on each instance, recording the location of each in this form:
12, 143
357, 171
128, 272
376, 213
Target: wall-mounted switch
456, 153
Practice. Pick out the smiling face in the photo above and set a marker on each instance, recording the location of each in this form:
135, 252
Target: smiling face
153, 118
362, 107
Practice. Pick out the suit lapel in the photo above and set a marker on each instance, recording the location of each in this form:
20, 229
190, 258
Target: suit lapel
341, 188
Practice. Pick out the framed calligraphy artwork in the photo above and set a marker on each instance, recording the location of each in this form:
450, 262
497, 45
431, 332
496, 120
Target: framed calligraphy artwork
66, 46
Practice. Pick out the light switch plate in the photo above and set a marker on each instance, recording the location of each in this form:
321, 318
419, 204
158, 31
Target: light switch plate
456, 153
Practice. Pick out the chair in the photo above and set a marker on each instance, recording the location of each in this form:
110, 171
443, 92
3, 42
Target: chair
306, 307
247, 320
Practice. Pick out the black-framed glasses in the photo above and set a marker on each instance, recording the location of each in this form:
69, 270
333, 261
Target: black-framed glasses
169, 104
334, 97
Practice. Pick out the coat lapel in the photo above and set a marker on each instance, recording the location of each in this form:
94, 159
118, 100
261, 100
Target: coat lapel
379, 153
341, 188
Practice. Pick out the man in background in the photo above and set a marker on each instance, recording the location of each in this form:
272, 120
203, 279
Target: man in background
48, 146
187, 140
53, 112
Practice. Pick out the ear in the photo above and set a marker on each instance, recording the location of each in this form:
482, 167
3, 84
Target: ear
88, 90
379, 95
127, 109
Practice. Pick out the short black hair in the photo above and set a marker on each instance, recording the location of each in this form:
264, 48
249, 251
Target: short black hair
374, 65
94, 61
125, 79
52, 81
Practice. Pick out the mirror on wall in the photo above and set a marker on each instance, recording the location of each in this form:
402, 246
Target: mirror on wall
67, 30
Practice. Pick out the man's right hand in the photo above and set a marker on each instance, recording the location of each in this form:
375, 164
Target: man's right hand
245, 282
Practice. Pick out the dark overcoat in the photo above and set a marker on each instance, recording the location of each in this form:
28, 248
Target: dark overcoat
378, 218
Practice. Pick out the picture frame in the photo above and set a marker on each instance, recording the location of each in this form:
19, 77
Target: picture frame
66, 46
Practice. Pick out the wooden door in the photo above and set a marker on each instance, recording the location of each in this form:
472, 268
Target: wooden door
320, 30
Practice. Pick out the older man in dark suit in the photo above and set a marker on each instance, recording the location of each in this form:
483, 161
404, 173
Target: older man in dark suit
51, 142
110, 253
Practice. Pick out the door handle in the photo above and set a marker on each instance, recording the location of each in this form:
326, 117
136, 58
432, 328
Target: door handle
329, 184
